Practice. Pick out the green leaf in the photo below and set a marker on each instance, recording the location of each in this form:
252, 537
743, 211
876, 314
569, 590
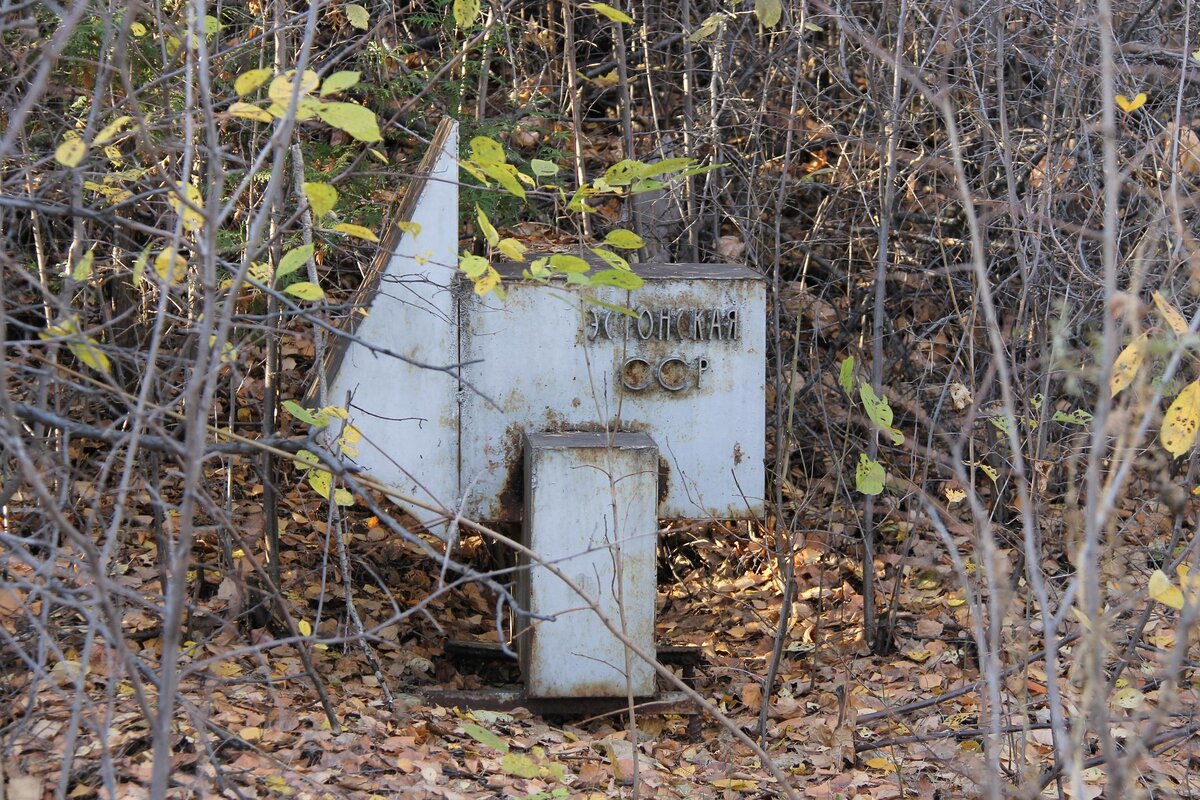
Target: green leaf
543, 168
250, 80
212, 25
1076, 417
518, 765
877, 407
321, 482
626, 240
305, 290
614, 260
569, 264
507, 176
485, 737
306, 457
869, 475
620, 278
1001, 423
343, 497
690, 171
83, 267
708, 27
339, 82
358, 16
610, 13
71, 151
846, 376
486, 228
357, 231
879, 411
352, 118
299, 412
465, 13
665, 166
294, 260
768, 12
486, 150
321, 198
624, 172
643, 185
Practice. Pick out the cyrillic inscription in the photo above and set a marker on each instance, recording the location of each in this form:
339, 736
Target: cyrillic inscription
673, 373
664, 324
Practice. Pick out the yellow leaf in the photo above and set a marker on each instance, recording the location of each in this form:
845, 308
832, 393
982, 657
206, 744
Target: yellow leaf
252, 734
250, 80
1127, 364
281, 88
1170, 314
357, 231
304, 627
736, 784
1129, 698
1181, 420
887, 765
71, 151
82, 346
609, 13
170, 266
306, 290
247, 111
227, 669
512, 248
1165, 592
110, 131
489, 281
189, 205
1129, 106
339, 82
343, 497
486, 227
465, 13
356, 120
955, 496
473, 266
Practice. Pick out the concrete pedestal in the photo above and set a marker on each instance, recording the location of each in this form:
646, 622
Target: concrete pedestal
590, 503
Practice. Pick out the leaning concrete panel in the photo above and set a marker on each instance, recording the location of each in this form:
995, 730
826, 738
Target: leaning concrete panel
574, 482
688, 369
406, 412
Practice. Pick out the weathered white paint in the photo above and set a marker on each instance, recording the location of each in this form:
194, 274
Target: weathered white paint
535, 359
573, 484
409, 415
537, 356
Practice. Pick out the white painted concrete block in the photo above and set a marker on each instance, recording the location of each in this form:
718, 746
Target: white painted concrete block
689, 370
573, 484
409, 415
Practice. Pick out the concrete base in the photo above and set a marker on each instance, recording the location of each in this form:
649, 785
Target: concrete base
590, 503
